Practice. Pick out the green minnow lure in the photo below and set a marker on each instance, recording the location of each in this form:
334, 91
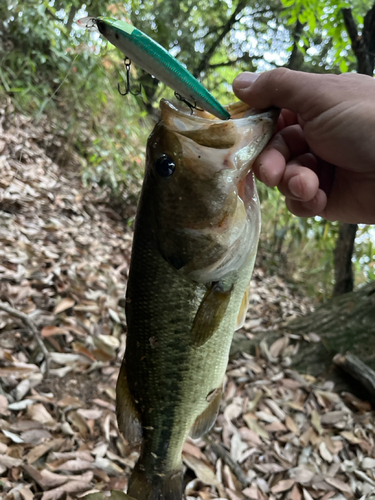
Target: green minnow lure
157, 61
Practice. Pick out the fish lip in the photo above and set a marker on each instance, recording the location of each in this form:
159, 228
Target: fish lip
234, 109
227, 138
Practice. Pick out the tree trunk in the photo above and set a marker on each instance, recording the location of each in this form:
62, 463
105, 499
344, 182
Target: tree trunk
344, 323
296, 57
344, 276
364, 49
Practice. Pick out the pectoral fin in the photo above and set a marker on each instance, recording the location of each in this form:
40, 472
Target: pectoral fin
206, 419
243, 309
210, 313
127, 414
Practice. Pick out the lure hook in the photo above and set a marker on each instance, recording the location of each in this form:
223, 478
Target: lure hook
127, 63
189, 104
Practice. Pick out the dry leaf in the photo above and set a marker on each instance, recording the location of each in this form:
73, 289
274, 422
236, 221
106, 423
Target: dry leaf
254, 426
26, 493
48, 331
324, 452
39, 413
368, 463
306, 495
291, 425
4, 406
338, 484
202, 471
283, 485
252, 492
295, 493
278, 346
64, 305
13, 437
301, 474
315, 420
69, 487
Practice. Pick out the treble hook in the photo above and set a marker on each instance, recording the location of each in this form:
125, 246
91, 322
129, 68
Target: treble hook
127, 63
189, 104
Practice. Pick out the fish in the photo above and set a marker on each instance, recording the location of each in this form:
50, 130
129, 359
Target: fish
155, 60
195, 241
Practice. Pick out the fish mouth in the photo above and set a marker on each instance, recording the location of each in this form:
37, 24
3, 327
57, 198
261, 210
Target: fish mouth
231, 145
237, 110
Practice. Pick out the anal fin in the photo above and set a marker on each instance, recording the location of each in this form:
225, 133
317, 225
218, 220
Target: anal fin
210, 313
207, 418
243, 309
127, 414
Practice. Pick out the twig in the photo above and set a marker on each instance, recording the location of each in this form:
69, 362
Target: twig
222, 453
30, 323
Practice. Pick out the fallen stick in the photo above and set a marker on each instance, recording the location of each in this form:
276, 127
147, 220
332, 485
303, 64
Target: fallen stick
222, 453
34, 330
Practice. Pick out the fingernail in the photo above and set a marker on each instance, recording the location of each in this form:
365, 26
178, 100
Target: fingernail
244, 80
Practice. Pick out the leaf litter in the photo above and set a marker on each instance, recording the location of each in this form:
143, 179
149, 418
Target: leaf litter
64, 259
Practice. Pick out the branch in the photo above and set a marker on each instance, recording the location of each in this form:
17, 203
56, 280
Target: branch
350, 25
226, 29
221, 452
361, 44
53, 15
30, 323
245, 58
293, 59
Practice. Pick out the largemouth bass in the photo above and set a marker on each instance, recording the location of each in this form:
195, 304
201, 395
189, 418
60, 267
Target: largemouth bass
195, 241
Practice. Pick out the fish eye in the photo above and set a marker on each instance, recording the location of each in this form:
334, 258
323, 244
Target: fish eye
165, 166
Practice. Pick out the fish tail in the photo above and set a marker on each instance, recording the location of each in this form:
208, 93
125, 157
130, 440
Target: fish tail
143, 486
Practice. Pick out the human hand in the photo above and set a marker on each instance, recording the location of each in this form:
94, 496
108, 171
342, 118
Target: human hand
322, 157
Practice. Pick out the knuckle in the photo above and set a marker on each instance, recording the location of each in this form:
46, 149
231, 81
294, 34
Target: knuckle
279, 75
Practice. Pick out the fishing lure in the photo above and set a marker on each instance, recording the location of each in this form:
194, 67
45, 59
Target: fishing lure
156, 60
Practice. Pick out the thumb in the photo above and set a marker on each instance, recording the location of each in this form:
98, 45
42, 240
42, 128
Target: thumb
294, 90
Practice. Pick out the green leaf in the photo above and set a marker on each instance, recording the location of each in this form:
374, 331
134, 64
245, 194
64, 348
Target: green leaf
343, 66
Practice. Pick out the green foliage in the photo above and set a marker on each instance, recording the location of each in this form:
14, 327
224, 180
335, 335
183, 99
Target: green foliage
303, 246
325, 17
48, 66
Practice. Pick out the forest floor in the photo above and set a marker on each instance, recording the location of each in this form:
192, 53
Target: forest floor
64, 259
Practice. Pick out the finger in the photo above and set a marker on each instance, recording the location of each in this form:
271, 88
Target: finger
300, 180
286, 119
310, 208
297, 91
289, 118
270, 165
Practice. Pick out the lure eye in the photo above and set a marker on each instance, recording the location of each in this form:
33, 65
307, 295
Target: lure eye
165, 166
